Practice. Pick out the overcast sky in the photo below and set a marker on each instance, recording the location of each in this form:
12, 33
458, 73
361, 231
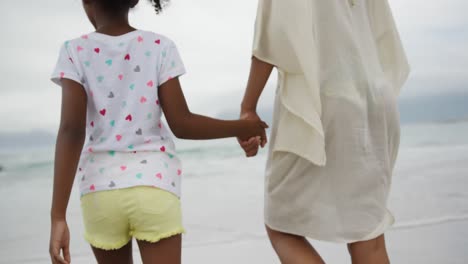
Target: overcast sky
214, 38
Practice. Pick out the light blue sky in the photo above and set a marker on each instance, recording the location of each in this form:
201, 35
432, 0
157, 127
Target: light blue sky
214, 37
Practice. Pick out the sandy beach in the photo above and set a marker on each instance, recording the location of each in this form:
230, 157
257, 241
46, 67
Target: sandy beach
223, 207
222, 193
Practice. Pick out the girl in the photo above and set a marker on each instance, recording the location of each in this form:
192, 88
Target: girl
335, 133
115, 83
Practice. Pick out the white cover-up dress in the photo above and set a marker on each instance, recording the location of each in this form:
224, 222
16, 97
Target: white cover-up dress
335, 134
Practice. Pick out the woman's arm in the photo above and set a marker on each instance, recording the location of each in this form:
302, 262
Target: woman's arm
69, 144
186, 125
260, 72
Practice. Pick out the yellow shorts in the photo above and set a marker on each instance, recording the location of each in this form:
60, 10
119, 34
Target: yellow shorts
112, 218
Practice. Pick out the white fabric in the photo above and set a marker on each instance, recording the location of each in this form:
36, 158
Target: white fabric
315, 48
335, 134
126, 143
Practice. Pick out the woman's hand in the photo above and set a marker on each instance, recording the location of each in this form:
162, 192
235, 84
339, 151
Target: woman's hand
260, 71
252, 129
59, 242
251, 146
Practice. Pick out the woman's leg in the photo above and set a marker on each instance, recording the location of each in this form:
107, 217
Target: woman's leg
167, 251
292, 249
369, 252
119, 256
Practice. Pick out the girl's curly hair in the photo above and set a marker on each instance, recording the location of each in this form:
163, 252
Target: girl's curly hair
159, 5
121, 5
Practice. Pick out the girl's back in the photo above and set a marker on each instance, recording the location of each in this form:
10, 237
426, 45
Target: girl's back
121, 75
116, 82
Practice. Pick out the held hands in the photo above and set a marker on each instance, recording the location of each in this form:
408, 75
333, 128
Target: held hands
251, 143
59, 241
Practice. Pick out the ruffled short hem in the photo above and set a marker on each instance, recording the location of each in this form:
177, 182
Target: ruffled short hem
154, 239
142, 237
106, 246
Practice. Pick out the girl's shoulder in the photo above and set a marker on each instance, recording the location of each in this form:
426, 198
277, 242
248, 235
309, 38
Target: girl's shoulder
140, 35
93, 42
77, 42
157, 38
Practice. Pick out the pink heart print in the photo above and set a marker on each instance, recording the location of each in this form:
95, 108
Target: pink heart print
179, 172
118, 137
123, 168
143, 99
158, 41
103, 112
128, 118
62, 74
97, 50
84, 37
79, 48
140, 39
150, 84
121, 76
92, 188
127, 57
159, 176
163, 149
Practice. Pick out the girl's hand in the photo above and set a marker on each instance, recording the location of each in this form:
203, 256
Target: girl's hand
70, 140
251, 146
59, 241
253, 129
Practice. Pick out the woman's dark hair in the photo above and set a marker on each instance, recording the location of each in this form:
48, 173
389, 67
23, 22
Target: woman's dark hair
121, 5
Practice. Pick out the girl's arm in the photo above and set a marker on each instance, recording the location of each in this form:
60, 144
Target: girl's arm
69, 144
186, 125
260, 72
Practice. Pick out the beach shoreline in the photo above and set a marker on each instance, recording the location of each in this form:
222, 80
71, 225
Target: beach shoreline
222, 200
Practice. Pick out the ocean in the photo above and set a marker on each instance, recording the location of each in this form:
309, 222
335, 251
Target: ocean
223, 199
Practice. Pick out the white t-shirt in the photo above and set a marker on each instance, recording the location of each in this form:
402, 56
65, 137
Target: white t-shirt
126, 144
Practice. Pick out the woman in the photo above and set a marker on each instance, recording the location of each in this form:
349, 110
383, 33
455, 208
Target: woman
335, 133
